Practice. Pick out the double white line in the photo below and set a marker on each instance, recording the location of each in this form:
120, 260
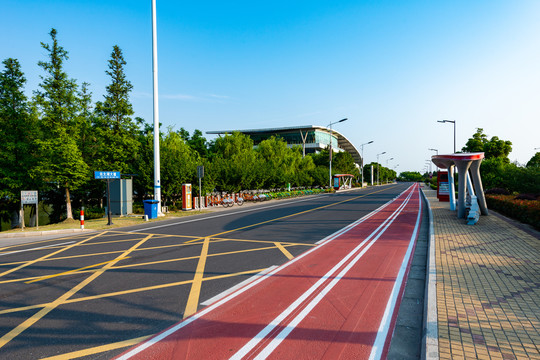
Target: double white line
357, 253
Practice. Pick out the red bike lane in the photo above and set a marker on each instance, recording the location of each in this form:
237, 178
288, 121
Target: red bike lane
338, 300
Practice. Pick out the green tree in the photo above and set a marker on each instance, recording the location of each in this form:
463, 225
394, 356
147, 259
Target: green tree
116, 130
18, 131
143, 183
476, 142
178, 165
410, 176
61, 160
198, 143
234, 164
279, 163
534, 162
343, 163
493, 148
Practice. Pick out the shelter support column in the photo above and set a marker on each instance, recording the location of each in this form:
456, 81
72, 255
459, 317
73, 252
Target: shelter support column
477, 183
463, 168
452, 187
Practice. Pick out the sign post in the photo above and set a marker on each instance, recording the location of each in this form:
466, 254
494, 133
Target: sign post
107, 175
29, 197
200, 175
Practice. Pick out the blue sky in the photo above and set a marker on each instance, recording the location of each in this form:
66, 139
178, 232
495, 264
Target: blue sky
393, 68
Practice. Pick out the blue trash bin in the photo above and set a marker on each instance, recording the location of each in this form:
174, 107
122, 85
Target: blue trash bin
151, 208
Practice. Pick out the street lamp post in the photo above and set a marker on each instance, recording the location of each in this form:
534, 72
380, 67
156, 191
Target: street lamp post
387, 167
436, 150
378, 166
453, 122
330, 168
429, 162
362, 147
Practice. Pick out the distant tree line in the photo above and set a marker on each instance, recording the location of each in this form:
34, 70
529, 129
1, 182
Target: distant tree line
53, 141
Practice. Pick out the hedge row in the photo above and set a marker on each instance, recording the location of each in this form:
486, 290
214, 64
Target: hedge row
525, 211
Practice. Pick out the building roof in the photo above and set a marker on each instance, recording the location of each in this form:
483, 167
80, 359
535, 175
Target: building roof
343, 142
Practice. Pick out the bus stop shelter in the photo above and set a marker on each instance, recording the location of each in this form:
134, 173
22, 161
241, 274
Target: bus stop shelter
342, 181
468, 165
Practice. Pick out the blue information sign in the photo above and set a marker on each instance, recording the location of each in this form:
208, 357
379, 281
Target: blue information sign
106, 174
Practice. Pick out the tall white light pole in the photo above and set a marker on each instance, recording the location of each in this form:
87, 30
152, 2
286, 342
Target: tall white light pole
157, 180
362, 146
378, 166
330, 168
387, 167
453, 122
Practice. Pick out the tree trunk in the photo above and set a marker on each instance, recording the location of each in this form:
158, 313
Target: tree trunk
68, 205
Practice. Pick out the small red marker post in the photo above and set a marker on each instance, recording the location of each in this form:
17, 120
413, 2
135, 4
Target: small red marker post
82, 218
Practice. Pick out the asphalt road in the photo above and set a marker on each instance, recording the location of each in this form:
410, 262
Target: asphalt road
92, 295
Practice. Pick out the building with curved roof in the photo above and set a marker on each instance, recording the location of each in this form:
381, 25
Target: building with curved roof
312, 138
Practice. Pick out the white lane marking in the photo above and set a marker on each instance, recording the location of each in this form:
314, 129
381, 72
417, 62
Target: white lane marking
150, 342
238, 286
38, 248
226, 214
288, 328
384, 328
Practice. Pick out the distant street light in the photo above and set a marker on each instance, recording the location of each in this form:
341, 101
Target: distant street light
362, 146
453, 122
378, 166
437, 151
330, 168
429, 162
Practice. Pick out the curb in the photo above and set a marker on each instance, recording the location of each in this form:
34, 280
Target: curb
42, 233
430, 338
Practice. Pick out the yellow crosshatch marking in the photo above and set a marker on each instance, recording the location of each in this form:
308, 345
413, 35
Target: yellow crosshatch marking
47, 256
51, 306
284, 251
193, 300
72, 271
98, 349
81, 271
137, 253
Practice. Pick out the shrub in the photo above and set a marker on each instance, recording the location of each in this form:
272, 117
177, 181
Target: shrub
138, 208
526, 197
525, 211
497, 191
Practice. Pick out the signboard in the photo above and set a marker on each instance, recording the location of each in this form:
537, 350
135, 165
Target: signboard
106, 174
444, 188
29, 197
200, 171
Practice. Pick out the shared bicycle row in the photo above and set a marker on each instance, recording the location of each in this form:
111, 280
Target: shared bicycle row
229, 200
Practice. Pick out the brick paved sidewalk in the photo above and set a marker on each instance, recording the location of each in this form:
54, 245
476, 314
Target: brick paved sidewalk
488, 287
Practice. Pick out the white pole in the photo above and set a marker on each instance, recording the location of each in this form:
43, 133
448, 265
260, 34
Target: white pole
330, 168
157, 181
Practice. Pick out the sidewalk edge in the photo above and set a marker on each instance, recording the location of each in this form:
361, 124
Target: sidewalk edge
430, 338
42, 233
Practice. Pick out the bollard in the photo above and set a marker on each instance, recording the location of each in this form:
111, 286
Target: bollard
82, 218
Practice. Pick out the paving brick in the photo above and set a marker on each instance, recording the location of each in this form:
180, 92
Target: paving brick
488, 286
